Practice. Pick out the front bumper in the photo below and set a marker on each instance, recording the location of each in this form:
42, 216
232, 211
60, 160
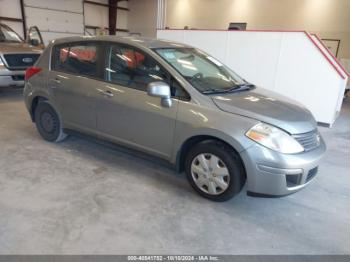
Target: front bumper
11, 78
273, 174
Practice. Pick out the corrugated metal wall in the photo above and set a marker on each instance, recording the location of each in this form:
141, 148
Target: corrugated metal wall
55, 18
60, 18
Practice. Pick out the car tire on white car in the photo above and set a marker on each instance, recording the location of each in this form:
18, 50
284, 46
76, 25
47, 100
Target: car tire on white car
215, 170
48, 123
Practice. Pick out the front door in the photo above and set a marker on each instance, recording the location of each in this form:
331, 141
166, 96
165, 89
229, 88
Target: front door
125, 113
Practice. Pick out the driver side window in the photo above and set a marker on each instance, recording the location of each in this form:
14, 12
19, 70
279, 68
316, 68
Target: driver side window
132, 68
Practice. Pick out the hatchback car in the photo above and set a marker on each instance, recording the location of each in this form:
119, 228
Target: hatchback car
178, 103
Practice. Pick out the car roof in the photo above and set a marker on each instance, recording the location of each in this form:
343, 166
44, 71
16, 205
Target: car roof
131, 40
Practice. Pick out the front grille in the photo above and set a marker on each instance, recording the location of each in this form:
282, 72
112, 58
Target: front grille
20, 61
309, 141
312, 173
18, 77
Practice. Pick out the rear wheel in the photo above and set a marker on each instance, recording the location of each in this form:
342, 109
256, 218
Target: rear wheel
48, 123
215, 170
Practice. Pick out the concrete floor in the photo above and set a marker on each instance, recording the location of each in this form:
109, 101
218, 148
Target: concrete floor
80, 197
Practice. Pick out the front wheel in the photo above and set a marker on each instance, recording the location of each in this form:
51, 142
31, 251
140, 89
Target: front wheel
215, 170
48, 123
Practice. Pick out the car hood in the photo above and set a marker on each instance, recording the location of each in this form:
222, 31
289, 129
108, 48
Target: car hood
268, 107
18, 48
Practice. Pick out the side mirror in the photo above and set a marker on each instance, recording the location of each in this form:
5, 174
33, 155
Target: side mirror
162, 90
34, 42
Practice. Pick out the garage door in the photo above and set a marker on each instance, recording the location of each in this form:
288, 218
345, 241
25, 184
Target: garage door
54, 18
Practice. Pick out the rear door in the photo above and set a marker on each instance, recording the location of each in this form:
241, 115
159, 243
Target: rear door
74, 76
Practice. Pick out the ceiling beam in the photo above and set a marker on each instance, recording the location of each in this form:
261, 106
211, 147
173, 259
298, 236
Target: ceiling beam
107, 28
112, 16
11, 19
106, 5
24, 22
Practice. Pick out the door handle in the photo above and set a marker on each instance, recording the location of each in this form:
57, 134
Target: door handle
56, 80
54, 83
106, 93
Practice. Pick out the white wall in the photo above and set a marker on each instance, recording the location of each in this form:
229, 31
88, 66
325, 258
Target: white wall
143, 17
327, 18
11, 8
289, 63
98, 15
55, 18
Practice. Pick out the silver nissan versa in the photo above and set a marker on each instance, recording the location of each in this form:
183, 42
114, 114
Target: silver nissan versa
177, 103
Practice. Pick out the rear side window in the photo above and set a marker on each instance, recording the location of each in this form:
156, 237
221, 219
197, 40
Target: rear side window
80, 59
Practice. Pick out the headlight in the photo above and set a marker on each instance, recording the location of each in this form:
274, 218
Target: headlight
274, 138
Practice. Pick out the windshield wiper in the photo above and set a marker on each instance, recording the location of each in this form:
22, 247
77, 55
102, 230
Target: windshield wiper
237, 88
242, 87
214, 91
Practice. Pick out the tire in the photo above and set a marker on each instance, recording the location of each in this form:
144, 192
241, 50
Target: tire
48, 123
219, 159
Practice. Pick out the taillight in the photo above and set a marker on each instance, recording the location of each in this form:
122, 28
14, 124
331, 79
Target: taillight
31, 71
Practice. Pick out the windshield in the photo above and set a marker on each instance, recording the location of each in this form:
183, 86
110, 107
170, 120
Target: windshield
8, 35
204, 72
